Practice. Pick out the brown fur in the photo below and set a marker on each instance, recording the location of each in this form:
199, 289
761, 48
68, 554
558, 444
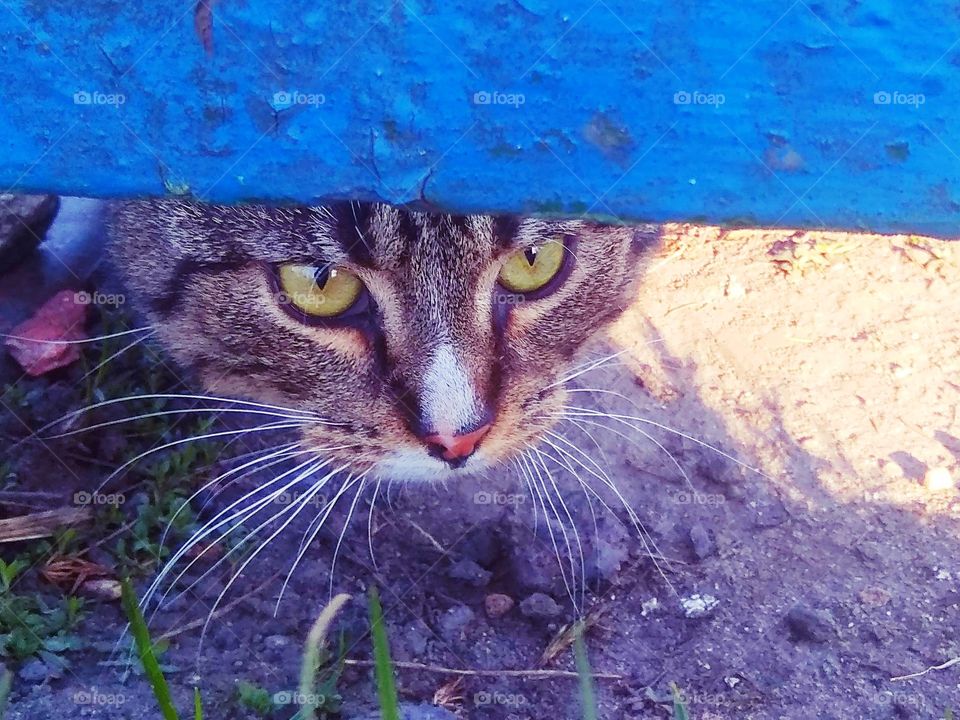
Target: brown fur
200, 272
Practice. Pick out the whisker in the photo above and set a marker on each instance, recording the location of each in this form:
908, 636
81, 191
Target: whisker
573, 527
665, 428
300, 505
533, 500
584, 369
373, 501
553, 540
283, 454
310, 535
117, 354
587, 490
645, 537
246, 513
205, 436
78, 342
648, 436
211, 525
184, 411
343, 531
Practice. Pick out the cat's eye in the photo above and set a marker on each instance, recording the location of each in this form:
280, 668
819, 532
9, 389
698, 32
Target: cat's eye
530, 269
319, 291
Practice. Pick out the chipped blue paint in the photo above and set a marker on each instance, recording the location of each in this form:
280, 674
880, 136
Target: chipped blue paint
834, 113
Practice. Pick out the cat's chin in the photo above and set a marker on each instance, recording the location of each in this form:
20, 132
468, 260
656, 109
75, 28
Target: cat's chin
417, 466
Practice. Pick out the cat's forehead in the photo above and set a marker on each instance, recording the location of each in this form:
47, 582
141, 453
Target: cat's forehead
365, 234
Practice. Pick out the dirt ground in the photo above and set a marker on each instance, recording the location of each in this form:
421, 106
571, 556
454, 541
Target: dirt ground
829, 363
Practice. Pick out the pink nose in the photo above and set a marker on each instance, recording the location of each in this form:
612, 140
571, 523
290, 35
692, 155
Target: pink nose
454, 448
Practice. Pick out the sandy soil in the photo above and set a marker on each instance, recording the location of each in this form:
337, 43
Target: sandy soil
828, 362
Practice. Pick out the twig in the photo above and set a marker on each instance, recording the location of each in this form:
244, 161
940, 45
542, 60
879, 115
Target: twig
942, 666
527, 674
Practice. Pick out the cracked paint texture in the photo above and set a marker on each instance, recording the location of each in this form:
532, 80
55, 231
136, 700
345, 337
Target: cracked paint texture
832, 113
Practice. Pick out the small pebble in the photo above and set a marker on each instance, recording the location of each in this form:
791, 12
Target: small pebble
497, 605
698, 606
470, 573
539, 605
702, 542
34, 671
805, 623
454, 620
938, 479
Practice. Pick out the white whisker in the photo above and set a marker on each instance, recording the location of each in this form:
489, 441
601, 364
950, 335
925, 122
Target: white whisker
117, 354
311, 533
299, 504
78, 342
205, 436
373, 502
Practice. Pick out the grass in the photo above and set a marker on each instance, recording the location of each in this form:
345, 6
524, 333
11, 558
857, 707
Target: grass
30, 626
383, 667
588, 695
311, 691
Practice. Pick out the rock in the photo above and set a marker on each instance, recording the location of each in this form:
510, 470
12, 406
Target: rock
698, 606
34, 672
497, 605
702, 542
276, 642
469, 572
454, 620
539, 605
533, 564
771, 513
807, 624
23, 221
413, 640
938, 479
607, 549
43, 342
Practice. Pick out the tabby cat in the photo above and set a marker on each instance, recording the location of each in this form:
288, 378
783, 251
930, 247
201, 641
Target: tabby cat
429, 346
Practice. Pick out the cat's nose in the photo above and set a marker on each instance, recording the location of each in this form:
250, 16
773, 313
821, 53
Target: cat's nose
455, 449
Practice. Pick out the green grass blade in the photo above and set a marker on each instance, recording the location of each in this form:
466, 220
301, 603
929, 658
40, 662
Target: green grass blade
141, 636
6, 682
197, 705
383, 667
679, 709
588, 694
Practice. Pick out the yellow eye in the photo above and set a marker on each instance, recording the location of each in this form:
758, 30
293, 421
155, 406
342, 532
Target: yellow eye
531, 268
319, 291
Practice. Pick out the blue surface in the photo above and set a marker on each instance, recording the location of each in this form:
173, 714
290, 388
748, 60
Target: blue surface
787, 129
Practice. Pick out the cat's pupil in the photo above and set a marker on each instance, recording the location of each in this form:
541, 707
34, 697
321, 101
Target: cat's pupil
531, 254
323, 275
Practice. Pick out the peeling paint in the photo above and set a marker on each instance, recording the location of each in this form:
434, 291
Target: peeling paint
849, 99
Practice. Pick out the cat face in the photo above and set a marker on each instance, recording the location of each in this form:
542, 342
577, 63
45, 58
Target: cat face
433, 344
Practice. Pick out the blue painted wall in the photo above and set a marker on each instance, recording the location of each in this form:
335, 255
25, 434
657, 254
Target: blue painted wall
835, 113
